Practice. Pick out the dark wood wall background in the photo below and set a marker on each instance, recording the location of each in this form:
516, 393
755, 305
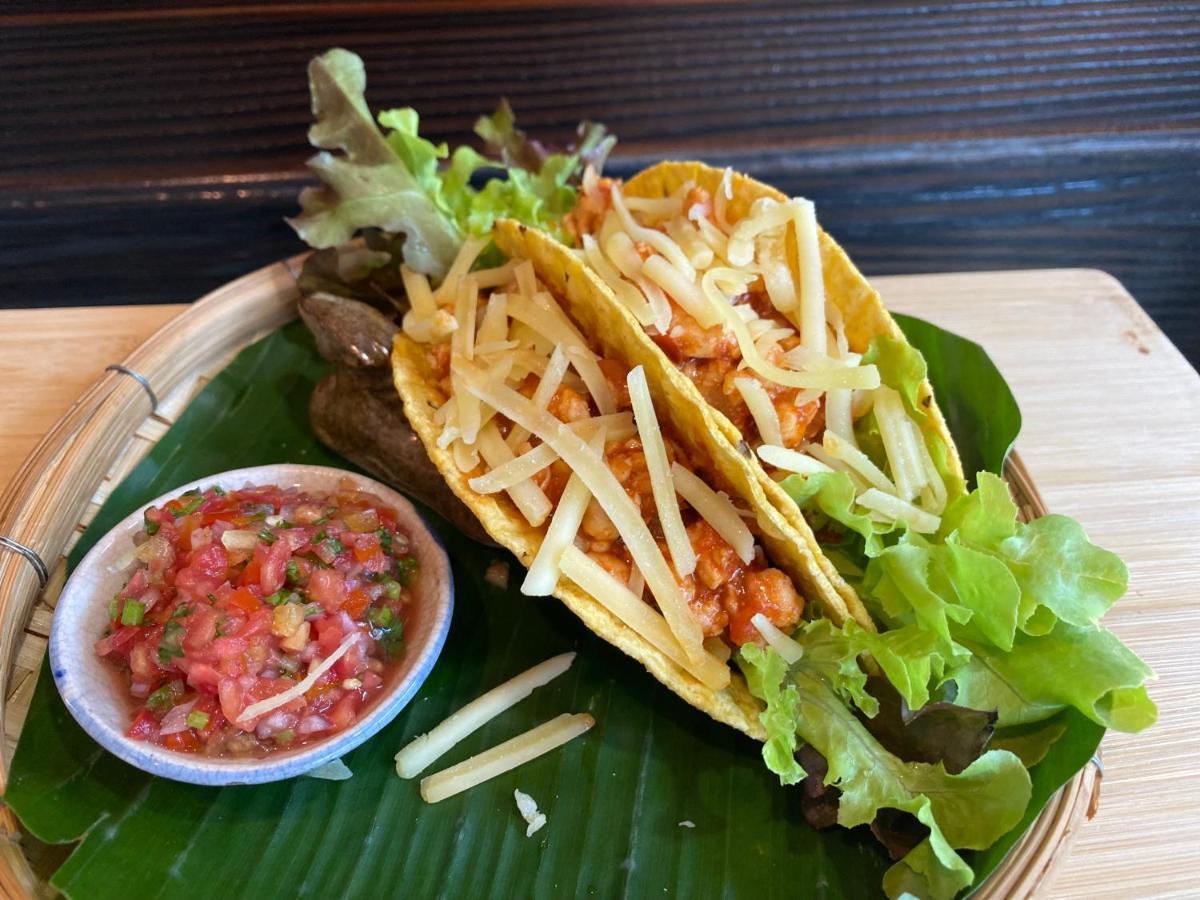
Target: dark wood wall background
148, 152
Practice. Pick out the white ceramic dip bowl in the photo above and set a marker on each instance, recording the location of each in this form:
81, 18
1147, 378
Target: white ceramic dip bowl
96, 697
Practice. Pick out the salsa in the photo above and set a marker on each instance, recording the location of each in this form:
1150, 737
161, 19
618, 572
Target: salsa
259, 619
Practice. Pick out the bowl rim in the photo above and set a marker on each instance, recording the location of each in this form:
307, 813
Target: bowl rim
220, 771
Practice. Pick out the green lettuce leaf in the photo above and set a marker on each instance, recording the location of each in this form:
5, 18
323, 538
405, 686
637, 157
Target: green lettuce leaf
367, 185
969, 810
1087, 668
832, 493
1060, 570
401, 183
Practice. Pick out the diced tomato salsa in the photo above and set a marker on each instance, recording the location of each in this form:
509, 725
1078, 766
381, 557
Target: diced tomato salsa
235, 598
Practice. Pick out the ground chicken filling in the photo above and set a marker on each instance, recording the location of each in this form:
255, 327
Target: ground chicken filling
723, 593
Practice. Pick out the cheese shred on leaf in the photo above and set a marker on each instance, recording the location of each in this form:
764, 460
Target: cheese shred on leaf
504, 757
421, 751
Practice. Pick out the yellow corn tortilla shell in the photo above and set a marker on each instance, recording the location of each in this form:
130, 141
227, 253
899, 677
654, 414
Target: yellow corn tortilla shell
862, 309
421, 394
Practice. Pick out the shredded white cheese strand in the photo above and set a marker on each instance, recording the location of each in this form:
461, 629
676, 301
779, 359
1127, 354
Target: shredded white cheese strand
262, 707
897, 510
603, 485
513, 472
504, 757
716, 509
618, 599
901, 454
549, 383
625, 292
530, 499
858, 461
656, 239
780, 642
662, 487
423, 750
823, 379
542, 576
790, 460
762, 410
812, 282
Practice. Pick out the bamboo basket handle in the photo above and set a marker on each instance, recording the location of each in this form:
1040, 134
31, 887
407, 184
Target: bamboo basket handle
51, 490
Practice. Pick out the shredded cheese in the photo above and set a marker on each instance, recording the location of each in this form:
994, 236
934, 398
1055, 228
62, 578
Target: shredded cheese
629, 295
824, 379
681, 289
551, 379
858, 461
467, 254
716, 509
530, 499
423, 750
897, 443
596, 581
247, 716
779, 642
762, 410
812, 283
662, 486
699, 254
542, 577
837, 415
656, 239
790, 460
625, 516
504, 757
513, 472
897, 510
493, 327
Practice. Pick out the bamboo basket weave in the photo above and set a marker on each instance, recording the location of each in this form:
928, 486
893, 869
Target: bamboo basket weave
107, 431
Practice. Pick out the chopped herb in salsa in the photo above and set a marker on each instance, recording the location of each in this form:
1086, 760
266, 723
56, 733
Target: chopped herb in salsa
237, 595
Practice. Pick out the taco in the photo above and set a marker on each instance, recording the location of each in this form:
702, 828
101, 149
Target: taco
554, 424
794, 354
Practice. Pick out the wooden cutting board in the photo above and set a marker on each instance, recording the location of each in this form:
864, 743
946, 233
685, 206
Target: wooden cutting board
1111, 436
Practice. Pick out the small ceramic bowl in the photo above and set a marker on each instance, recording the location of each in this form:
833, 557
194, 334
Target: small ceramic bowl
96, 697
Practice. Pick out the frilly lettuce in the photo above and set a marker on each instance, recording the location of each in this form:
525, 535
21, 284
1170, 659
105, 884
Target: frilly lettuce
811, 701
396, 182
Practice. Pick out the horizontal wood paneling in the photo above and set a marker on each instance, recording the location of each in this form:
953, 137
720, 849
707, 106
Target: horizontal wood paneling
119, 99
1124, 204
148, 154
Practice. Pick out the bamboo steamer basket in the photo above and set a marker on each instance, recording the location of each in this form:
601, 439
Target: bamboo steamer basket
110, 428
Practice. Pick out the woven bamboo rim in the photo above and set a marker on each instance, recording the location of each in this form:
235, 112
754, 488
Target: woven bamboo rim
108, 430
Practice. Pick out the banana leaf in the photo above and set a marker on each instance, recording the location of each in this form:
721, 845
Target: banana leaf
656, 800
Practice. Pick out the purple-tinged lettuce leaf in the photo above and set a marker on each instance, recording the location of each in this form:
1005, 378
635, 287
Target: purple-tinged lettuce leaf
365, 185
1033, 741
969, 810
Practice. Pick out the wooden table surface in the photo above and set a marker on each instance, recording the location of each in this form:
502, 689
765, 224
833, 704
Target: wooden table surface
148, 152
1111, 412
